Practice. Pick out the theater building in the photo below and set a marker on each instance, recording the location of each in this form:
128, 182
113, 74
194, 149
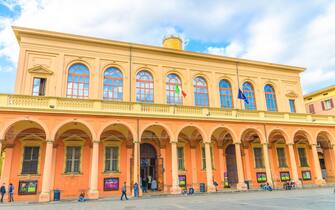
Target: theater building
89, 114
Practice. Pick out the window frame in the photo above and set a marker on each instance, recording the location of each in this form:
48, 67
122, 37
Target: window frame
170, 89
260, 148
292, 105
31, 141
250, 95
305, 154
74, 142
112, 84
41, 88
280, 159
182, 147
84, 83
270, 98
141, 86
201, 98
110, 146
226, 94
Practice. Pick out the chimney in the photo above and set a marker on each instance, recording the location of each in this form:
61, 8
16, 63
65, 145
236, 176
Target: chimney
173, 42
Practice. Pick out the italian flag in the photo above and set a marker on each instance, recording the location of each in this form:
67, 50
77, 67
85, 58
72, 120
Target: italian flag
178, 90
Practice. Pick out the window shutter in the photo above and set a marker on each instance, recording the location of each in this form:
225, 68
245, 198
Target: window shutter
331, 103
311, 108
323, 105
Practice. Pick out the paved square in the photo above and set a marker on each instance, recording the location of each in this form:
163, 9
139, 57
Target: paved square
298, 199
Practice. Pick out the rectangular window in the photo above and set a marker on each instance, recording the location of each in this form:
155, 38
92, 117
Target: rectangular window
292, 105
311, 108
112, 158
327, 104
30, 160
302, 157
39, 86
258, 153
181, 165
73, 159
281, 157
203, 153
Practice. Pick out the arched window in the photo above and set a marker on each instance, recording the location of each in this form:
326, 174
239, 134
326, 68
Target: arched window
248, 91
270, 98
172, 96
200, 92
226, 97
78, 81
113, 84
144, 87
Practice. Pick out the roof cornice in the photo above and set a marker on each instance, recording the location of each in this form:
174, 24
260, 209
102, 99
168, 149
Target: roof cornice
19, 31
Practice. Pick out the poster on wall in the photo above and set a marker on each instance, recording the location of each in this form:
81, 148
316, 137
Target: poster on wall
306, 175
111, 184
182, 181
285, 176
261, 177
27, 187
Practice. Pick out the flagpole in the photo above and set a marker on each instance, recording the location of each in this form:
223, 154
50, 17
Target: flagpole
238, 83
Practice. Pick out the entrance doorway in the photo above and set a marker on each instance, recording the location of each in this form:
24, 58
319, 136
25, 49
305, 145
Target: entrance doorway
148, 162
231, 165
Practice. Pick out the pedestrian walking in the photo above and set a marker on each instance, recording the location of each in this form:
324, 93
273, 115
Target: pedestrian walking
2, 191
154, 185
135, 190
11, 192
149, 182
124, 191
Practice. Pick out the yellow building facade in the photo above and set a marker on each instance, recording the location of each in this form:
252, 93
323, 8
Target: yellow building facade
321, 101
89, 114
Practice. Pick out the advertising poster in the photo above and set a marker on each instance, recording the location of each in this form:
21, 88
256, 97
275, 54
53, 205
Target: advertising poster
285, 176
306, 175
182, 181
111, 184
27, 187
261, 177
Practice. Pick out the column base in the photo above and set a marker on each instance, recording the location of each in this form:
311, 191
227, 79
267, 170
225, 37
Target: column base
44, 197
93, 194
241, 186
211, 188
320, 182
175, 190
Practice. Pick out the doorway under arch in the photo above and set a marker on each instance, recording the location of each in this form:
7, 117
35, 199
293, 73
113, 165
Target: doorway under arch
231, 165
148, 164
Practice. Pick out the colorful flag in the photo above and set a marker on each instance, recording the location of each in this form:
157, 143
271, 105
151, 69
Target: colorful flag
178, 91
242, 96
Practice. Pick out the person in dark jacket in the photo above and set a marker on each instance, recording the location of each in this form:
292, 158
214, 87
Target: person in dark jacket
2, 191
11, 192
124, 191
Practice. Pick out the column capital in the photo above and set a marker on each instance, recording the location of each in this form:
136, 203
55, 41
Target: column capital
206, 142
265, 143
237, 143
49, 141
290, 144
95, 141
174, 142
136, 142
314, 144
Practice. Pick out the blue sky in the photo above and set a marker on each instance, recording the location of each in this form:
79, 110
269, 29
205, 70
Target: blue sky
300, 33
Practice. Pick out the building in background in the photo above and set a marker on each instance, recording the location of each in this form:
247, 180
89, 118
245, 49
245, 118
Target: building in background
89, 114
321, 101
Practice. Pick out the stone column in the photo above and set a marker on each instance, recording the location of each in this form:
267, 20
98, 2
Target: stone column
93, 192
209, 169
317, 167
45, 194
7, 165
294, 168
175, 186
222, 168
267, 163
240, 185
194, 168
136, 165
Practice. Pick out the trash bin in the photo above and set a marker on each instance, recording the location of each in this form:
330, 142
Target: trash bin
56, 195
202, 187
247, 183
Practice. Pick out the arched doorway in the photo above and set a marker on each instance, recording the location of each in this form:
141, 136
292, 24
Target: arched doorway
148, 164
324, 150
231, 165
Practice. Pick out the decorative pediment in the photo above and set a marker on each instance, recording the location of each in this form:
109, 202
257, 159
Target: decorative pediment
40, 69
291, 94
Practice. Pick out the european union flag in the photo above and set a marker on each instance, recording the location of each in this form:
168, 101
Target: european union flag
242, 96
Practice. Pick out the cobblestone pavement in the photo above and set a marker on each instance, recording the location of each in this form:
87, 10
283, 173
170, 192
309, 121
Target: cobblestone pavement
320, 199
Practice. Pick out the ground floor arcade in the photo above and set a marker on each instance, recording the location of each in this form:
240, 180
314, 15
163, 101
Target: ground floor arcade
97, 154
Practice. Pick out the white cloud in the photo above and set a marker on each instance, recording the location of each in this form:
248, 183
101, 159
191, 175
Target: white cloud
286, 32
